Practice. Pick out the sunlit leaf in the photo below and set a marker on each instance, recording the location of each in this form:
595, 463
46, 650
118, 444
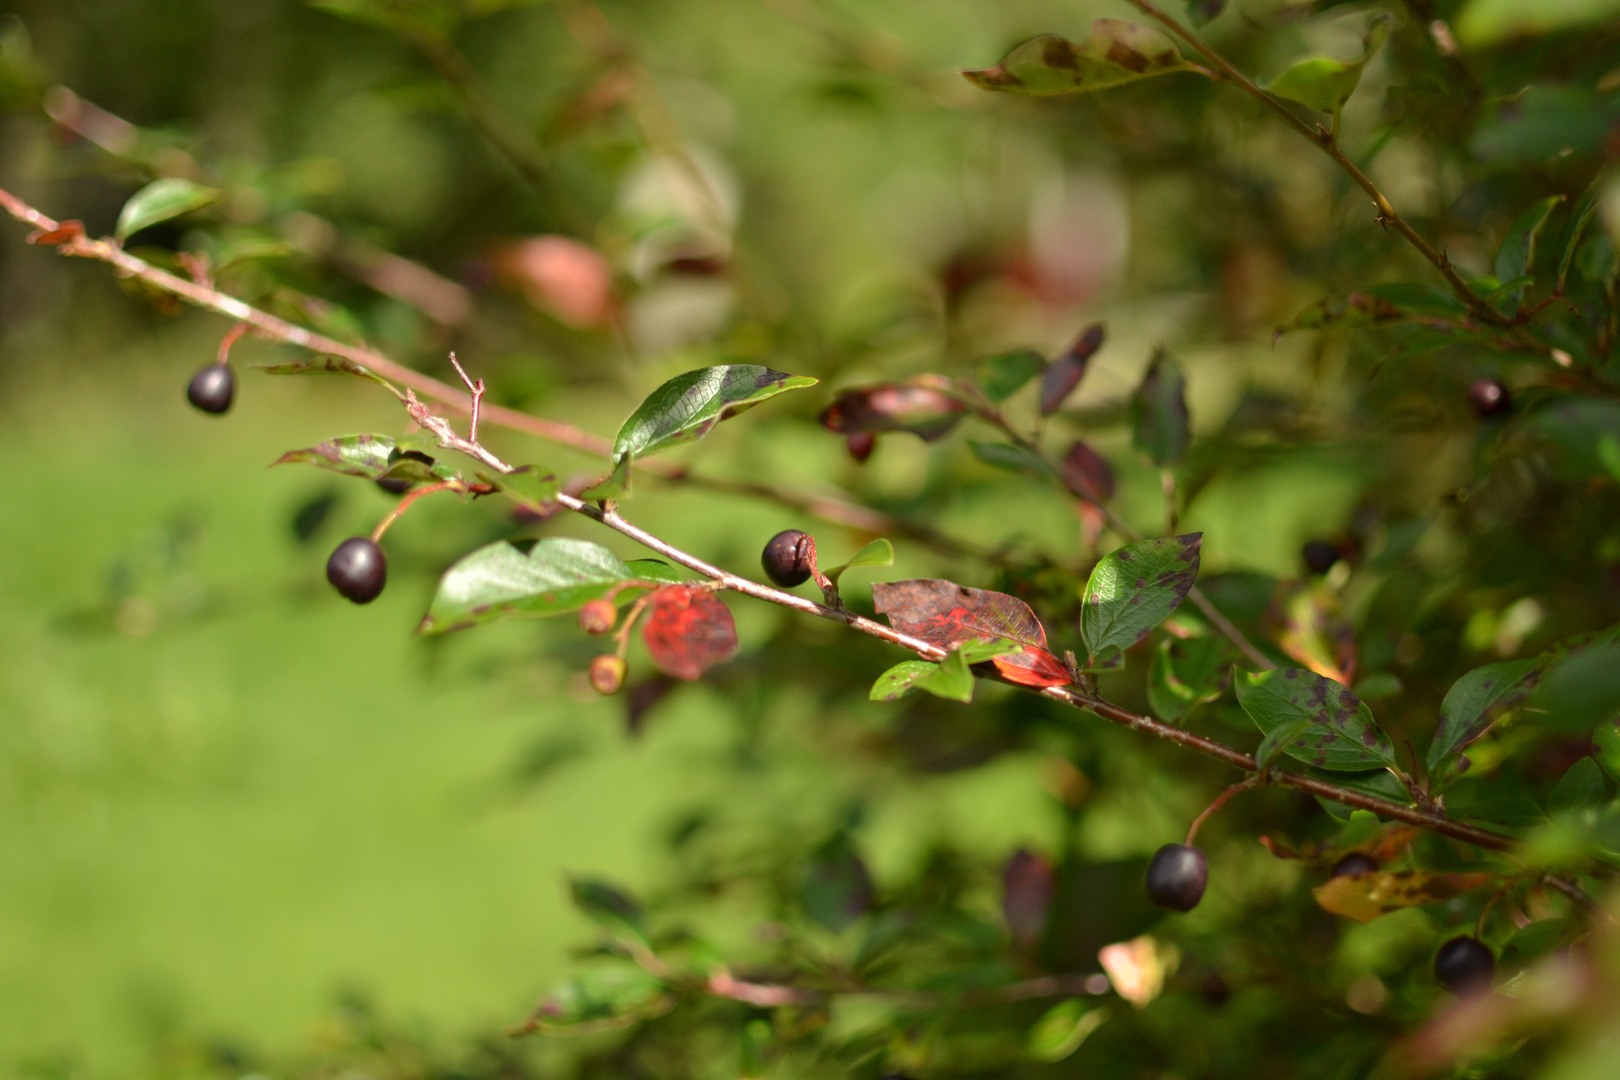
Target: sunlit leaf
950, 678
1061, 1030
688, 630
352, 455
1160, 426
1325, 84
688, 406
1485, 22
1342, 734
1133, 589
531, 486
1364, 897
1115, 53
1313, 629
555, 576
1474, 703
161, 200
878, 553
327, 364
946, 614
600, 999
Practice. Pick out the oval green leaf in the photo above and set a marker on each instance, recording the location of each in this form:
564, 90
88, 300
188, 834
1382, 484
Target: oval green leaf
1133, 589
1115, 53
1473, 704
1340, 733
161, 200
686, 407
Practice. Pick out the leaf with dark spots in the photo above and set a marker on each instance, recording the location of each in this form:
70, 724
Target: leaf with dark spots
928, 406
328, 364
1160, 426
1354, 312
1133, 589
946, 614
1475, 702
1087, 474
688, 630
688, 406
1115, 53
1341, 734
1365, 897
1065, 373
368, 456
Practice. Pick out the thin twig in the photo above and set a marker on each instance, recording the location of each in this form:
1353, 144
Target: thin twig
1220, 801
271, 328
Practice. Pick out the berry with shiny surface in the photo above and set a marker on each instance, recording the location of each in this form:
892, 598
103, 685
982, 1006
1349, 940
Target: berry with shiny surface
1357, 862
212, 389
787, 558
1465, 966
358, 570
1489, 397
1176, 877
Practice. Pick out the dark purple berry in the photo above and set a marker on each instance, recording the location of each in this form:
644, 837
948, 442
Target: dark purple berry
212, 389
788, 557
1489, 397
860, 445
1355, 863
394, 485
1176, 877
358, 570
1320, 555
1465, 966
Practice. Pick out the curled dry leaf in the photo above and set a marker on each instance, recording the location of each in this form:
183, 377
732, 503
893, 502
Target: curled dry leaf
926, 405
946, 614
688, 631
1364, 897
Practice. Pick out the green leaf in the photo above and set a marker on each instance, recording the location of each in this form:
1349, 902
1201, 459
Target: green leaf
1341, 735
1325, 84
601, 999
1582, 687
950, 678
352, 455
1517, 255
1159, 421
1061, 1030
1133, 589
1580, 788
1115, 53
1011, 459
1485, 22
1606, 737
1579, 217
161, 200
1003, 375
1277, 740
556, 576
329, 365
1419, 299
613, 910
878, 553
528, 485
1473, 704
1184, 674
615, 485
686, 407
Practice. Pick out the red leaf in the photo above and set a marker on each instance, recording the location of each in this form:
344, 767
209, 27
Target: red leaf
1064, 373
946, 614
925, 405
688, 631
64, 233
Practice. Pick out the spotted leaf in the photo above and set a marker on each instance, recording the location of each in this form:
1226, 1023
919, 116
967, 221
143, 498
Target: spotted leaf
688, 406
946, 614
1364, 897
1340, 733
1132, 590
1115, 53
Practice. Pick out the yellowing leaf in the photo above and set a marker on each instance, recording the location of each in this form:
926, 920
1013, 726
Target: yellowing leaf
1364, 897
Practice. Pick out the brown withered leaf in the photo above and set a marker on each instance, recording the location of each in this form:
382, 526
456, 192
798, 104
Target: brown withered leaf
946, 614
688, 631
925, 405
1364, 897
65, 233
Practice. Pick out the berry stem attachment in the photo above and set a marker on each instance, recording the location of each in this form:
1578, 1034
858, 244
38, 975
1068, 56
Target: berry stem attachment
411, 497
231, 337
1220, 801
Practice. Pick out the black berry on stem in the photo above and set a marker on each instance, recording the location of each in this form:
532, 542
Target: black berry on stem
1489, 397
1465, 966
1320, 555
212, 389
357, 569
1176, 877
787, 558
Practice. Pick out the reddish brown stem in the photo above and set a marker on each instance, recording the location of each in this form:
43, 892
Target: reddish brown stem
405, 504
1220, 801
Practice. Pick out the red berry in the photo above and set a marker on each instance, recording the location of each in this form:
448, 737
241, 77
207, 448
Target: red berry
1176, 877
860, 445
607, 674
358, 570
598, 616
212, 389
788, 557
